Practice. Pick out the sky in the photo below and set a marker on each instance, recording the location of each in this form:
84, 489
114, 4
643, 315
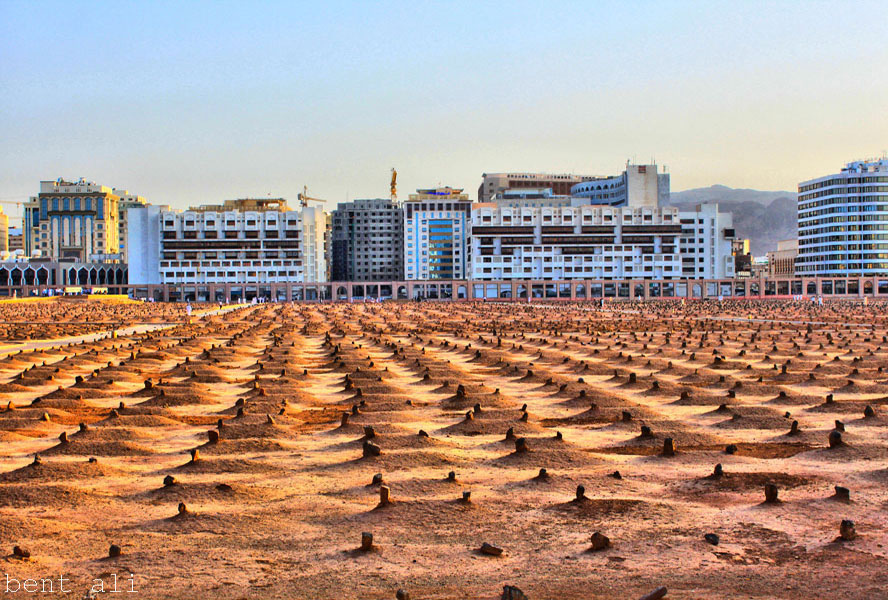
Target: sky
191, 103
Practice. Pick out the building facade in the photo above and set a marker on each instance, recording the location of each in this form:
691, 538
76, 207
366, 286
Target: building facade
367, 241
494, 184
781, 262
16, 241
242, 241
740, 248
125, 202
707, 238
574, 242
843, 222
436, 226
638, 185
72, 220
4, 231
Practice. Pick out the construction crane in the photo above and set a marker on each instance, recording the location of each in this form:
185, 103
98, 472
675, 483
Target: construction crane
304, 198
394, 185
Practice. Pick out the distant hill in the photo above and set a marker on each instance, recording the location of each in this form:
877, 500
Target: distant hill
763, 217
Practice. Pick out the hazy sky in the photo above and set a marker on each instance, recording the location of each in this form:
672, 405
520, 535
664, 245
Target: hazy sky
190, 102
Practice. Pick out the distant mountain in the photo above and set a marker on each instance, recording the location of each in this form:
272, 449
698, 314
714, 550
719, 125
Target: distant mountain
763, 217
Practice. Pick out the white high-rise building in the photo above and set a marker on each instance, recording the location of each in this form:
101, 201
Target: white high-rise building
638, 185
843, 222
125, 202
707, 237
242, 241
436, 228
574, 242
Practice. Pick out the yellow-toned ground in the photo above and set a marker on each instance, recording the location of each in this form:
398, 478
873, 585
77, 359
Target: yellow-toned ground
277, 506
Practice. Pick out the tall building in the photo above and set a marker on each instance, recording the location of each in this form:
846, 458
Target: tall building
531, 197
145, 239
574, 242
315, 241
15, 240
72, 220
638, 185
843, 222
125, 202
707, 238
367, 241
742, 257
493, 184
248, 241
4, 231
781, 262
436, 226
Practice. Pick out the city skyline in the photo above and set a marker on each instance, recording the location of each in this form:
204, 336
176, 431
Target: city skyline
186, 105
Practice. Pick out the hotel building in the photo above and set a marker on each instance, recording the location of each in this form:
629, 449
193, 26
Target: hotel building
706, 243
436, 226
843, 222
242, 241
73, 220
574, 242
125, 202
781, 262
638, 185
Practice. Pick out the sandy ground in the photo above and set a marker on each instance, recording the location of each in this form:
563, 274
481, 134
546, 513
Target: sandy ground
277, 499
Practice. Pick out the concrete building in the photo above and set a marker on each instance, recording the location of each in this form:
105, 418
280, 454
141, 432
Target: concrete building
742, 257
574, 242
315, 240
436, 234
638, 185
368, 241
16, 242
4, 231
145, 239
248, 241
493, 184
759, 267
843, 222
72, 220
125, 202
707, 237
533, 198
781, 263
